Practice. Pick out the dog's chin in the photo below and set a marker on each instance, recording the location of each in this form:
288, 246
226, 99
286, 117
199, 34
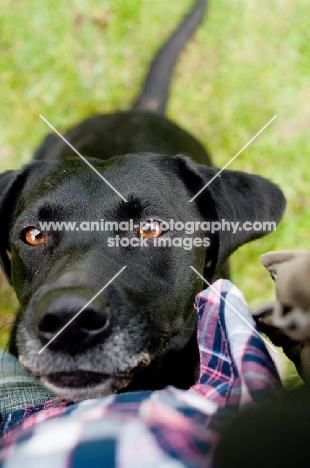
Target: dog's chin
77, 386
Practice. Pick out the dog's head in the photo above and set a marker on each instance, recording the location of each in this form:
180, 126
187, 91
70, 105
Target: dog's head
148, 306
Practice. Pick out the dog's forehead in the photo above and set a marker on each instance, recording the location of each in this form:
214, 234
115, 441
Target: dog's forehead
72, 183
143, 170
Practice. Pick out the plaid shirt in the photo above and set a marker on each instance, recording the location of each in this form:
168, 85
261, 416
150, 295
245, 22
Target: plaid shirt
168, 428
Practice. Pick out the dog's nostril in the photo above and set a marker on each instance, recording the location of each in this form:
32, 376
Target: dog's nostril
49, 324
92, 321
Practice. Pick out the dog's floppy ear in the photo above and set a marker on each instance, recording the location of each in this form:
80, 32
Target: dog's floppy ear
238, 198
11, 183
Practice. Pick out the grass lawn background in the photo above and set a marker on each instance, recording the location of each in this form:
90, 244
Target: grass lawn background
249, 61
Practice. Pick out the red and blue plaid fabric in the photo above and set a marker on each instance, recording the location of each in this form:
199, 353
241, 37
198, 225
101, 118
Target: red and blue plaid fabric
167, 428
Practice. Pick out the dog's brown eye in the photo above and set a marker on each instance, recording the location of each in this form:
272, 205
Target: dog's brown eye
150, 230
33, 236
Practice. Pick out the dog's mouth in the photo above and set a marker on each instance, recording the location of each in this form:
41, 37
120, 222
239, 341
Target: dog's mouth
78, 379
76, 383
80, 385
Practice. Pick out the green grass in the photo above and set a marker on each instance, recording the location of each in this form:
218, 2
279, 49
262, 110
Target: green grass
249, 61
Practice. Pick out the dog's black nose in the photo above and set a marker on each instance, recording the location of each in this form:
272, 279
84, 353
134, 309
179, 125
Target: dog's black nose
76, 329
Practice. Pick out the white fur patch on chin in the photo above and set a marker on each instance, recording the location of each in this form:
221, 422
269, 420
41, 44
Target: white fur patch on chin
109, 386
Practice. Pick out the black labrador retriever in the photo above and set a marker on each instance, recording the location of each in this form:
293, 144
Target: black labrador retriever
139, 332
